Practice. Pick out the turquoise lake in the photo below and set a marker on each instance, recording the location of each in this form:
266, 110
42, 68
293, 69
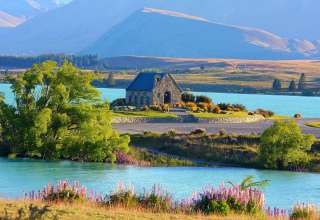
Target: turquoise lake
309, 107
284, 190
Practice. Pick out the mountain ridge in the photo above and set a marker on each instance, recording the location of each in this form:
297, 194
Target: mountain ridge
67, 30
141, 34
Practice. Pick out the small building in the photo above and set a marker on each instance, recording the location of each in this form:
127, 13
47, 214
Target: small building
150, 88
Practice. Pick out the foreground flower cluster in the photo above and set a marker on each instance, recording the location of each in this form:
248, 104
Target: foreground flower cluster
222, 200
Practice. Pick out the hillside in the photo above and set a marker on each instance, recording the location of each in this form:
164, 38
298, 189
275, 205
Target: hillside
7, 20
67, 30
156, 32
16, 12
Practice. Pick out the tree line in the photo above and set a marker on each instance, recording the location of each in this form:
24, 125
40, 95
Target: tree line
293, 86
23, 62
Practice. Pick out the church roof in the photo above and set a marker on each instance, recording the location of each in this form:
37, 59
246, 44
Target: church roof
145, 81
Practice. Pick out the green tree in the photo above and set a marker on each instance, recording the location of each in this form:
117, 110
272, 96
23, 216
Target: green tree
284, 145
302, 82
204, 99
292, 86
188, 97
276, 84
59, 114
111, 80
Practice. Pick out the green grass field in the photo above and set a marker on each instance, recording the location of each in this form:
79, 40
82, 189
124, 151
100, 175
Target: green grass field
229, 115
149, 114
314, 124
12, 210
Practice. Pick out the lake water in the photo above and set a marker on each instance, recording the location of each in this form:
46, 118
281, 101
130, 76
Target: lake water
309, 107
285, 189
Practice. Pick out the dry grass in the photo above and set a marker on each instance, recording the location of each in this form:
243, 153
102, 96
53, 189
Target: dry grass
9, 210
254, 73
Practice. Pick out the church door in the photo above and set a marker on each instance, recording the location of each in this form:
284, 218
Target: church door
167, 97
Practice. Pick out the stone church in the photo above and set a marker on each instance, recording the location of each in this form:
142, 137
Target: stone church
150, 88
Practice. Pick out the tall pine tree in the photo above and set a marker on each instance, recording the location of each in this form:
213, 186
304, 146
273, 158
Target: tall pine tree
302, 82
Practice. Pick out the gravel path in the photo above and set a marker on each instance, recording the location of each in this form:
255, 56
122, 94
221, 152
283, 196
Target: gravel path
245, 128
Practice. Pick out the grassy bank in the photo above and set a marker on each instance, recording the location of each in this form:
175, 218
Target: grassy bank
314, 124
9, 210
222, 148
217, 148
229, 115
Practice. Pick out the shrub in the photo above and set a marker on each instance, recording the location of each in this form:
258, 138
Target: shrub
297, 116
181, 104
188, 97
202, 105
204, 99
222, 132
216, 110
239, 107
63, 192
264, 113
145, 108
118, 102
223, 200
199, 131
126, 159
172, 133
191, 106
304, 211
122, 196
165, 107
157, 200
156, 108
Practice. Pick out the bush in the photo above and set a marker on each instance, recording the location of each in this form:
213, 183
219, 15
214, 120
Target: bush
283, 145
203, 106
122, 196
191, 106
157, 200
156, 108
204, 99
216, 110
223, 200
188, 97
63, 192
239, 107
199, 131
172, 133
297, 116
118, 102
304, 211
165, 107
232, 107
264, 113
145, 108
126, 159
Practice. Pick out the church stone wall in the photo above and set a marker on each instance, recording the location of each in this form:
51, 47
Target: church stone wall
157, 96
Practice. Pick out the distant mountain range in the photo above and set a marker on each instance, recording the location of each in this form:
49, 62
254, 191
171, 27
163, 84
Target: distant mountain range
16, 12
264, 29
155, 32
